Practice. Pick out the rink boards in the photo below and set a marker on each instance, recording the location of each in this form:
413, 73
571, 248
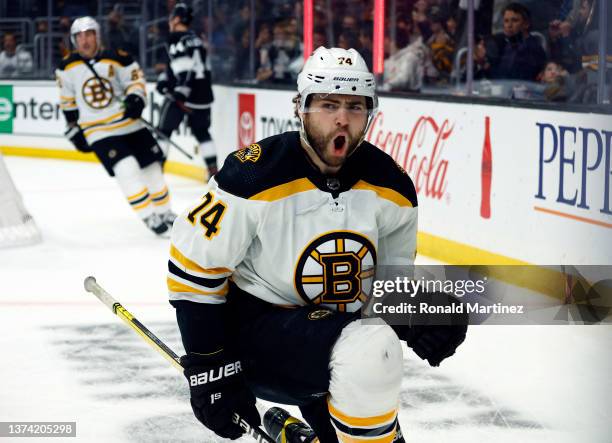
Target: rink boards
549, 173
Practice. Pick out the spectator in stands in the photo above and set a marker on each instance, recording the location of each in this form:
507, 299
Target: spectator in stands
406, 64
513, 54
277, 56
554, 79
366, 47
318, 38
441, 46
242, 69
348, 39
14, 62
118, 34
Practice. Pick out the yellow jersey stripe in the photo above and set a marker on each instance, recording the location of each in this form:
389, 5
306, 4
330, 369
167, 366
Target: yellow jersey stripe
192, 266
74, 64
84, 125
284, 190
111, 62
160, 193
344, 438
377, 420
109, 127
174, 286
137, 196
135, 85
382, 192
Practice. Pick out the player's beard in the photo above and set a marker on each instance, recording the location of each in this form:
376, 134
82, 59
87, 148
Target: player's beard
326, 145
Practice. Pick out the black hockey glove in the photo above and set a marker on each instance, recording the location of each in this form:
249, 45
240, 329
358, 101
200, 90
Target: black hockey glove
435, 337
163, 86
218, 390
77, 138
134, 104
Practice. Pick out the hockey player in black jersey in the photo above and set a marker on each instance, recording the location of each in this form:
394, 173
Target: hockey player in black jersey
268, 271
102, 96
186, 83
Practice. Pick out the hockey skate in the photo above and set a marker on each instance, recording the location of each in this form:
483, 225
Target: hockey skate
156, 224
168, 218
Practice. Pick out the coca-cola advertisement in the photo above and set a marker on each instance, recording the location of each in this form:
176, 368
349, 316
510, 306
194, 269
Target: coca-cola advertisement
418, 149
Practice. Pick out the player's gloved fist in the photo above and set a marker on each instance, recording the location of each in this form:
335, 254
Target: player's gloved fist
435, 337
134, 104
77, 138
163, 86
218, 390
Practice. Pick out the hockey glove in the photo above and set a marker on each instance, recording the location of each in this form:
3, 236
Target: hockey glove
218, 390
163, 86
134, 104
436, 337
77, 138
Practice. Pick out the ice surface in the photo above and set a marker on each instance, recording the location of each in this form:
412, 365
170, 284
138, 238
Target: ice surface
67, 358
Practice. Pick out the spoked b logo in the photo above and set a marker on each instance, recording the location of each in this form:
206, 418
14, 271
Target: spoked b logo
336, 268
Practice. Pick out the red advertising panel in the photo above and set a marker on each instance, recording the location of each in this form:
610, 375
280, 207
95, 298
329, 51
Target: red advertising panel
246, 119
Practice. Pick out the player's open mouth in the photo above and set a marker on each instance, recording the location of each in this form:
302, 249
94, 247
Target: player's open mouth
339, 145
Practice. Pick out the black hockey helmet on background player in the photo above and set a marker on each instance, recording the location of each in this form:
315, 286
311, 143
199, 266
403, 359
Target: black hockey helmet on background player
184, 12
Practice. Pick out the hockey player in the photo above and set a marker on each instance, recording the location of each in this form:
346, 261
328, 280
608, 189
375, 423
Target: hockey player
186, 85
299, 221
102, 95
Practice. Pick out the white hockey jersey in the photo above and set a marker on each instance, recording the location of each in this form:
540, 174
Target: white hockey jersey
99, 100
287, 234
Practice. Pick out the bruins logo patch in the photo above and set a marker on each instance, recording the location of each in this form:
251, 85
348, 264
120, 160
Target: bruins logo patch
336, 269
319, 314
97, 94
250, 153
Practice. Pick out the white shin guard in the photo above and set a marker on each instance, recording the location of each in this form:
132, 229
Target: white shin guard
366, 375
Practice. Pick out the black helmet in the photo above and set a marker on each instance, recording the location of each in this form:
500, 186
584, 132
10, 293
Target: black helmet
184, 12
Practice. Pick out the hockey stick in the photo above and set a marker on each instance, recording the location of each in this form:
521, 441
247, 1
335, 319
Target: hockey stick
92, 286
160, 134
147, 123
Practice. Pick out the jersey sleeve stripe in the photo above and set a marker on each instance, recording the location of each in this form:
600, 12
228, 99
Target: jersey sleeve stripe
385, 193
181, 64
285, 190
192, 266
86, 124
182, 287
73, 65
109, 127
205, 283
138, 85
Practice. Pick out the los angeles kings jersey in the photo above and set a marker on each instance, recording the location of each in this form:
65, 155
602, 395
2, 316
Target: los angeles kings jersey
99, 100
188, 69
288, 235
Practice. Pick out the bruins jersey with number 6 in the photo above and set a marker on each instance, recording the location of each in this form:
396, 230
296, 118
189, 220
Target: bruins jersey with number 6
98, 100
291, 236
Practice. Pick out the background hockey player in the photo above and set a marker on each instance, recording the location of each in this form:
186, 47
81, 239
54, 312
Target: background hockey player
186, 85
299, 221
102, 95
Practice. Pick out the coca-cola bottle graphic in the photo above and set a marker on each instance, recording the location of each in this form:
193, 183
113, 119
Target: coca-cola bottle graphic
485, 174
